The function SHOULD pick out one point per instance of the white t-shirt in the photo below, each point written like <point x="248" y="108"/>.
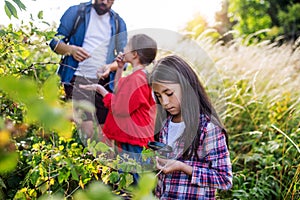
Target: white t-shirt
<point x="175" y="130"/>
<point x="95" y="42"/>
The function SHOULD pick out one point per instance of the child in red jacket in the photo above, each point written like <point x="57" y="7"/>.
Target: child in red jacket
<point x="131" y="118"/>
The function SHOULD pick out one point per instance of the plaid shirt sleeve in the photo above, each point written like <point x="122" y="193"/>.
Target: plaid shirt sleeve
<point x="218" y="173"/>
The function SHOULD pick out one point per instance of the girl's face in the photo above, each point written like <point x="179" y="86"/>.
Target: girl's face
<point x="169" y="96"/>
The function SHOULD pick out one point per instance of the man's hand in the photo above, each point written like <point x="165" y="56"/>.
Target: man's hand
<point x="79" y="53"/>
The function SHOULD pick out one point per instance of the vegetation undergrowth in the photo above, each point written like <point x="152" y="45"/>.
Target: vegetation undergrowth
<point x="40" y="155"/>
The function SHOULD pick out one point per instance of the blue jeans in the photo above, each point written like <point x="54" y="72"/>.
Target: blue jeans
<point x="134" y="152"/>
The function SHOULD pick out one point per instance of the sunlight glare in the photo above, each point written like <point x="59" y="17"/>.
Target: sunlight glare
<point x="167" y="14"/>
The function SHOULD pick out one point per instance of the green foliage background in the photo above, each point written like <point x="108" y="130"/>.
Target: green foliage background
<point x="39" y="157"/>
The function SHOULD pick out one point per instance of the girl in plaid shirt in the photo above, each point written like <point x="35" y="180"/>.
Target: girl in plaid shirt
<point x="187" y="121"/>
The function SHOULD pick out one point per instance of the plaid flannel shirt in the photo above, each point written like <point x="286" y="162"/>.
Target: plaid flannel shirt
<point x="211" y="171"/>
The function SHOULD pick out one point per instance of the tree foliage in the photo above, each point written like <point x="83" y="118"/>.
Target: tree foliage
<point x="290" y="19"/>
<point x="196" y="26"/>
<point x="279" y="17"/>
<point x="11" y="10"/>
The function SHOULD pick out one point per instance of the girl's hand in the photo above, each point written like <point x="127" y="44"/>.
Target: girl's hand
<point x="95" y="87"/>
<point x="91" y="87"/>
<point x="120" y="60"/>
<point x="103" y="73"/>
<point x="169" y="166"/>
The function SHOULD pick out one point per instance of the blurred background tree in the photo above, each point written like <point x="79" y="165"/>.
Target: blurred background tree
<point x="223" y="24"/>
<point x="280" y="17"/>
<point x="264" y="19"/>
<point x="290" y="21"/>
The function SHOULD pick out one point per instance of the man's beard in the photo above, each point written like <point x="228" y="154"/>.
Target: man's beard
<point x="101" y="8"/>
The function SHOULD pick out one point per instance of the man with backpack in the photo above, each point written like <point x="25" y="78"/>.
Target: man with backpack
<point x="89" y="37"/>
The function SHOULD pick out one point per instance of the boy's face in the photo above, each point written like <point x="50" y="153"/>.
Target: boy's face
<point x="128" y="53"/>
<point x="169" y="96"/>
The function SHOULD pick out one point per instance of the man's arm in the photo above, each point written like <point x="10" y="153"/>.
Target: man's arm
<point x="79" y="53"/>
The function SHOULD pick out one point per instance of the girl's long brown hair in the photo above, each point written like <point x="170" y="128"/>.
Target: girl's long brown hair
<point x="195" y="101"/>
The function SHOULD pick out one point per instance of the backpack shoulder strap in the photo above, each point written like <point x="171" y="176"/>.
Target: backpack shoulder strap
<point x="80" y="17"/>
<point x="117" y="23"/>
<point x="117" y="32"/>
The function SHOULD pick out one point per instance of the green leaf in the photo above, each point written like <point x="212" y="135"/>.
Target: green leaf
<point x="74" y="174"/>
<point x="147" y="153"/>
<point x="41" y="14"/>
<point x="2" y="184"/>
<point x="1" y="123"/>
<point x="44" y="187"/>
<point x="34" y="177"/>
<point x="2" y="32"/>
<point x="129" y="180"/>
<point x="147" y="183"/>
<point x="145" y="187"/>
<point x="102" y="147"/>
<point x="114" y="177"/>
<point x="51" y="196"/>
<point x="96" y="191"/>
<point x="50" y="90"/>
<point x="10" y="10"/>
<point x="20" y="4"/>
<point x="63" y="176"/>
<point x="8" y="161"/>
<point x="23" y="90"/>
<point x="126" y="180"/>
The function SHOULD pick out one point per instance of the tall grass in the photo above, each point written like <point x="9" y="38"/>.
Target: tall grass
<point x="262" y="116"/>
